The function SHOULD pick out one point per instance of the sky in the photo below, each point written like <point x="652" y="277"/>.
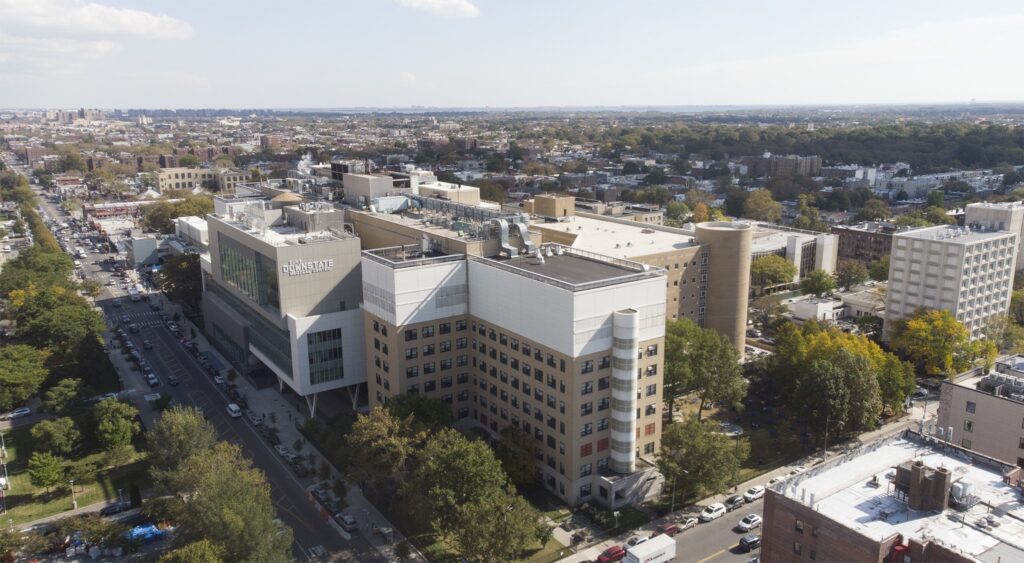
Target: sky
<point x="506" y="53"/>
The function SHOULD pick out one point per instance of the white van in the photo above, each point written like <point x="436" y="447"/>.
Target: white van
<point x="234" y="411"/>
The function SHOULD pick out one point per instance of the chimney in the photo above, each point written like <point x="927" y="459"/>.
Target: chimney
<point x="915" y="498"/>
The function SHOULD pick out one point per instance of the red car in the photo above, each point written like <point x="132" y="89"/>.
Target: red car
<point x="667" y="529"/>
<point x="613" y="553"/>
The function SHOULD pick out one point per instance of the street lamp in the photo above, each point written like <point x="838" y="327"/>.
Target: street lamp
<point x="74" y="501"/>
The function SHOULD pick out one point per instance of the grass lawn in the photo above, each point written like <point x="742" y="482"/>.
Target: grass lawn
<point x="548" y="553"/>
<point x="26" y="503"/>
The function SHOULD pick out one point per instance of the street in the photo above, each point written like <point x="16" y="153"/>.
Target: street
<point x="168" y="357"/>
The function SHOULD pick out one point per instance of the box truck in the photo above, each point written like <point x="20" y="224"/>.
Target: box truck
<point x="659" y="549"/>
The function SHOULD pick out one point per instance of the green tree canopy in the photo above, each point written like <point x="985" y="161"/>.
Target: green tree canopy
<point x="428" y="413"/>
<point x="703" y="362"/>
<point x="45" y="470"/>
<point x="58" y="436"/>
<point x="760" y="206"/>
<point x="771" y="270"/>
<point x="22" y="371"/>
<point x="180" y="433"/>
<point x="850" y="273"/>
<point x="115" y="423"/>
<point x="818" y="282"/>
<point x="879" y="269"/>
<point x="874" y="209"/>
<point x="935" y="341"/>
<point x="62" y="396"/>
<point x="515" y="451"/>
<point x="500" y="526"/>
<point x="697" y="459"/>
<point x="199" y="551"/>
<point x="181" y="279"/>
<point x="381" y="445"/>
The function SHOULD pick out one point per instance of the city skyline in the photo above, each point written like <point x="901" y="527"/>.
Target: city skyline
<point x="484" y="53"/>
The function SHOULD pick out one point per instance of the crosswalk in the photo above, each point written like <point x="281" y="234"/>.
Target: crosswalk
<point x="140" y="318"/>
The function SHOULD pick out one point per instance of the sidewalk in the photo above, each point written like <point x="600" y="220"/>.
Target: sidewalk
<point x="910" y="420"/>
<point x="281" y="413"/>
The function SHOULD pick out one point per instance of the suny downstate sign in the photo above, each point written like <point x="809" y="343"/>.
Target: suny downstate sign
<point x="303" y="267"/>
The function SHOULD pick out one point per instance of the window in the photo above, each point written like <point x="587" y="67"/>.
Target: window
<point x="650" y="409"/>
<point x="460" y="343"/>
<point x="413" y="371"/>
<point x="588" y="366"/>
<point x="514" y="344"/>
<point x="604" y="383"/>
<point x="602" y="424"/>
<point x="649" y="448"/>
<point x="446" y="381"/>
<point x="444" y="328"/>
<point x="526" y="349"/>
<point x="799" y="527"/>
<point x="411" y="353"/>
<point x="462" y="378"/>
<point x="503" y="339"/>
<point x="586" y="408"/>
<point x="551" y="360"/>
<point x="585" y="450"/>
<point x="1020" y="444"/>
<point x="376" y="344"/>
<point x="603" y="404"/>
<point x="585" y="490"/>
<point x="428" y="349"/>
<point x="965" y="443"/>
<point x="652" y="350"/>
<point x="445" y="346"/>
<point x="429" y="367"/>
<point x="650" y="429"/>
<point x="325" y="356"/>
<point x="462" y="360"/>
<point x="606" y="361"/>
<point x="427" y="331"/>
<point x="588" y="429"/>
<point x="460" y="325"/>
<point x="446" y="364"/>
<point x="796" y="547"/>
<point x="652" y="389"/>
<point x="968" y="426"/>
<point x="587" y="388"/>
<point x="602" y="445"/>
<point x="410" y="335"/>
<point x="586" y="468"/>
<point x="971" y="407"/>
<point x="429" y="386"/>
<point x="414" y="388"/>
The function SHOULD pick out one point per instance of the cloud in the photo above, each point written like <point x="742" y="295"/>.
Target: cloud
<point x="446" y="8"/>
<point x="407" y="77"/>
<point x="78" y="18"/>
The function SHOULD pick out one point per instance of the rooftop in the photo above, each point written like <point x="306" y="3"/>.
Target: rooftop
<point x="573" y="269"/>
<point x="840" y="490"/>
<point x="617" y="239"/>
<point x="885" y="227"/>
<point x="954" y="235"/>
<point x="281" y="235"/>
<point x="1006" y="381"/>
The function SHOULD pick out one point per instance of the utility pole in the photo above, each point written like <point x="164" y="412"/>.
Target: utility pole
<point x="6" y="481"/>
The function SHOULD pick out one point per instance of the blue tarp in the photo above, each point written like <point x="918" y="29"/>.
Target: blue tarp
<point x="146" y="534"/>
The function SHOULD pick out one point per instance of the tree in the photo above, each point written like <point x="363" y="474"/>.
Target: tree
<point x="381" y="445"/>
<point x="656" y="177"/>
<point x="934" y="340"/>
<point x="428" y="413"/>
<point x="22" y="371"/>
<point x="515" y="451"/>
<point x="62" y="395"/>
<point x="874" y="209"/>
<point x="676" y="213"/>
<point x="879" y="269"/>
<point x="45" y="470"/>
<point x="180" y="433"/>
<point x="701" y="213"/>
<point x="936" y="198"/>
<point x="840" y="392"/>
<point x="200" y="551"/>
<point x="181" y="279"/>
<point x="697" y="459"/>
<point x="452" y="471"/>
<point x="850" y="273"/>
<point x="760" y="206"/>
<point x="58" y="436"/>
<point x="189" y="161"/>
<point x="817" y="282"/>
<point x="766" y="312"/>
<point x="115" y="423"/>
<point x="701" y="361"/>
<point x="226" y="501"/>
<point x="500" y="526"/>
<point x="808" y="217"/>
<point x="771" y="270"/>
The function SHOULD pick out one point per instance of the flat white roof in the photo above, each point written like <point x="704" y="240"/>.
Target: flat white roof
<point x="954" y="235"/>
<point x="617" y="239"/>
<point x="840" y="491"/>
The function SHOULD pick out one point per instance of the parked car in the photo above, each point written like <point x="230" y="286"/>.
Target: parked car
<point x="776" y="480"/>
<point x="750" y="542"/>
<point x="667" y="529"/>
<point x="300" y="470"/>
<point x="234" y="411"/>
<point x="152" y="380"/>
<point x="753" y="493"/>
<point x="612" y="554"/>
<point x="112" y="509"/>
<point x="636" y="540"/>
<point x="125" y="319"/>
<point x="219" y="380"/>
<point x="147" y="344"/>
<point x="18" y="413"/>
<point x="172" y="380"/>
<point x="712" y="512"/>
<point x="687" y="523"/>
<point x="749" y="522"/>
<point x="346" y="521"/>
<point x="734" y="502"/>
<point x="282" y="450"/>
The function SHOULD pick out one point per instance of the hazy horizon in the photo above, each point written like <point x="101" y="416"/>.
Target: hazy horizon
<point x="488" y="54"/>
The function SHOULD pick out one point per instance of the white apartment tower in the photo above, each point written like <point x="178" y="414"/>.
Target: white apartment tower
<point x="1007" y="216"/>
<point x="966" y="271"/>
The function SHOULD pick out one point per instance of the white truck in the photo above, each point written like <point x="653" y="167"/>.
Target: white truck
<point x="659" y="549"/>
